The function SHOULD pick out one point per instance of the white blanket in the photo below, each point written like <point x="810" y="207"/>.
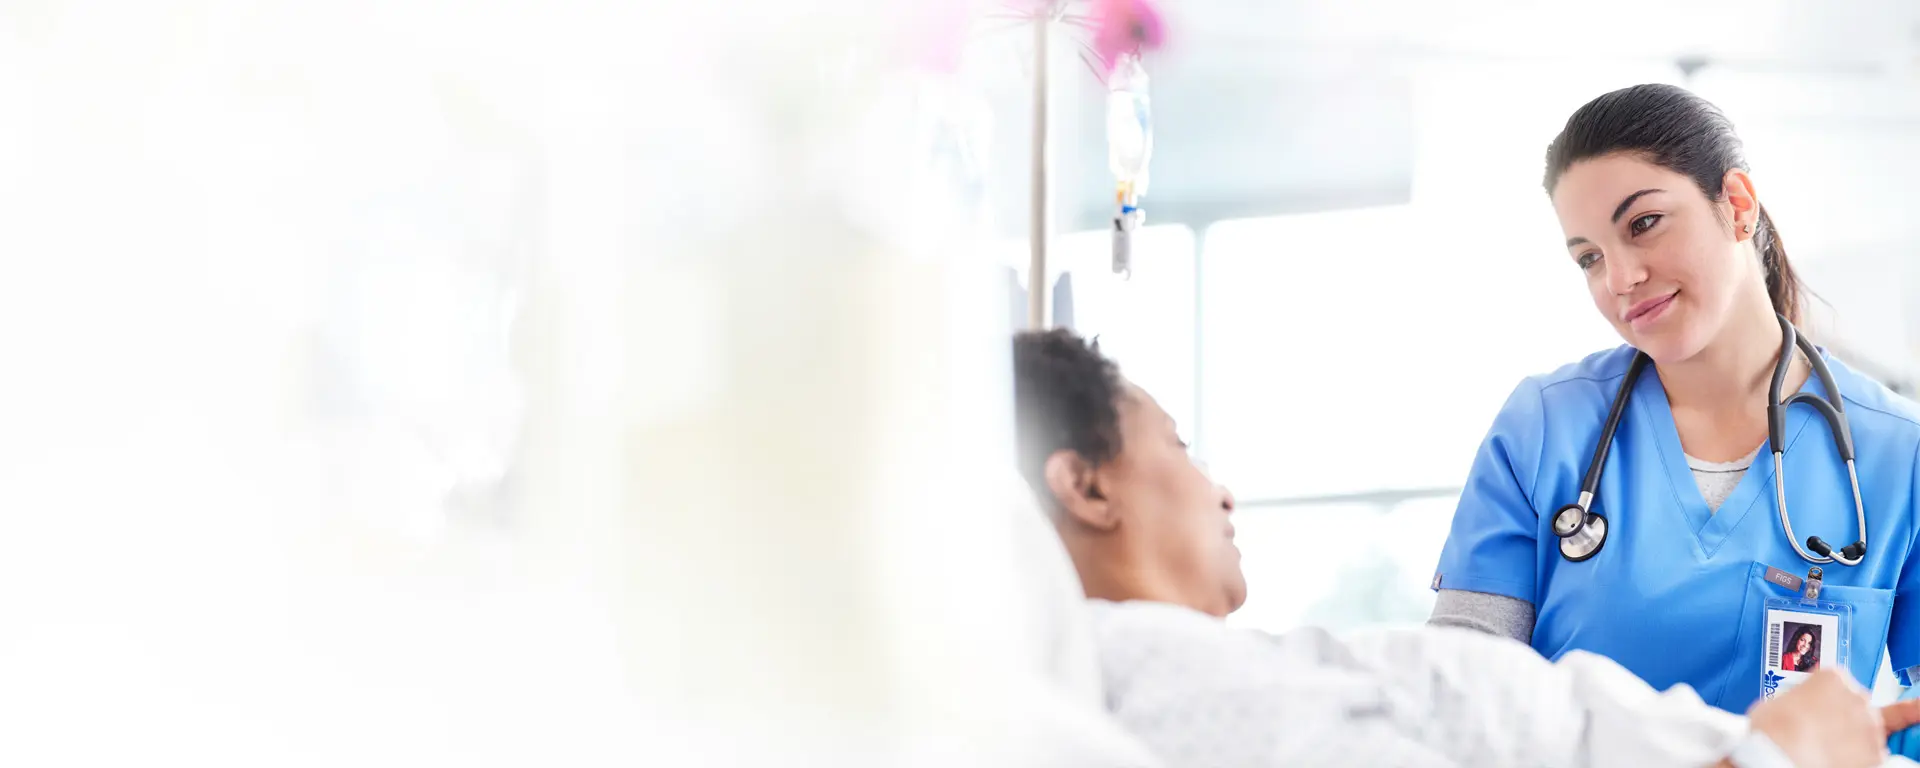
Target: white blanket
<point x="1202" y="693"/>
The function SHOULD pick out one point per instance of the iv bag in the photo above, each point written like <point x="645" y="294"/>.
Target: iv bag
<point x="1129" y="123"/>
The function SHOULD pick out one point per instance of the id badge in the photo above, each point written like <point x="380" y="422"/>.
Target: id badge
<point x="1803" y="633"/>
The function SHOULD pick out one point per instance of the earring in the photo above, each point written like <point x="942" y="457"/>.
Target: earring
<point x="1748" y="228"/>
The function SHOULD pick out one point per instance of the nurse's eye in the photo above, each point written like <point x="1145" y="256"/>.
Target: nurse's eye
<point x="1644" y="223"/>
<point x="1588" y="260"/>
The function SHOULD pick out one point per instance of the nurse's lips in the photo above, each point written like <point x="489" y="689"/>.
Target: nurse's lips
<point x="1646" y="308"/>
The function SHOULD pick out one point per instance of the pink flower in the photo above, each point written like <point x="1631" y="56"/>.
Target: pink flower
<point x="1124" y="26"/>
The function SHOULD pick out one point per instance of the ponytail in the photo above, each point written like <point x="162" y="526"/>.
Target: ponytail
<point x="1783" y="286"/>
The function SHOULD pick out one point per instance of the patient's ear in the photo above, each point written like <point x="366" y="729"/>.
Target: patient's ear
<point x="1076" y="489"/>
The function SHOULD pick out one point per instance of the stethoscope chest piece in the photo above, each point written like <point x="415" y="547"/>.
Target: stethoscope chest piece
<point x="1581" y="533"/>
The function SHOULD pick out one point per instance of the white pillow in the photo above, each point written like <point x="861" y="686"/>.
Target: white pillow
<point x="1069" y="719"/>
<point x="1056" y="605"/>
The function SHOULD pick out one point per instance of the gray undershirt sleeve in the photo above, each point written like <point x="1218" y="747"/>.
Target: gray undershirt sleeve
<point x="1492" y="614"/>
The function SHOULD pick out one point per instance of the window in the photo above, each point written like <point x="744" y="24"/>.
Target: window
<point x="1369" y="349"/>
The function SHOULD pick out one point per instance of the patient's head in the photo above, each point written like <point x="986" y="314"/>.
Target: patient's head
<point x="1141" y="520"/>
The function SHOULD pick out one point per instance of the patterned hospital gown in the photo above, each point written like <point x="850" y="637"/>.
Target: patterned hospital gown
<point x="1199" y="692"/>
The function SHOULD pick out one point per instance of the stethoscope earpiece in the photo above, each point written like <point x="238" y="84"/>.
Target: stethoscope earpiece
<point x="1848" y="555"/>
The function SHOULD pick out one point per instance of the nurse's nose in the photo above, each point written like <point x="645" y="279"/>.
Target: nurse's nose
<point x="1226" y="499"/>
<point x="1625" y="272"/>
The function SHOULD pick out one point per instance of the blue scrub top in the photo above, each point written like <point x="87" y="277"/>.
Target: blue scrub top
<point x="1677" y="594"/>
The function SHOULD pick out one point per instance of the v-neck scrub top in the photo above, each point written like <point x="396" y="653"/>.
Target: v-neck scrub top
<point x="1678" y="592"/>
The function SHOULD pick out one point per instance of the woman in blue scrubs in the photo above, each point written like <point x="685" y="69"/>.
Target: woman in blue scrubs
<point x="1666" y="228"/>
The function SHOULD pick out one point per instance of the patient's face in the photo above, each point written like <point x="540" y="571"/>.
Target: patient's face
<point x="1175" y="516"/>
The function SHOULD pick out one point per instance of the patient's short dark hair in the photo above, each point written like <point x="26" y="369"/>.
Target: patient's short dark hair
<point x="1064" y="398"/>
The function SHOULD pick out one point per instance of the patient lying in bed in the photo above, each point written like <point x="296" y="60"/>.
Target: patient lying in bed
<point x="1152" y="539"/>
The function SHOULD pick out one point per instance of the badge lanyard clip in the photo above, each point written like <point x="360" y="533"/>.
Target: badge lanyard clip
<point x="1813" y="583"/>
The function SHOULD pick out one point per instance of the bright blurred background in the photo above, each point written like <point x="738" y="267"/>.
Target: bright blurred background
<point x="436" y="375"/>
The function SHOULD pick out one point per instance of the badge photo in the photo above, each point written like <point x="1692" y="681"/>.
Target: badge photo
<point x="1799" y="641"/>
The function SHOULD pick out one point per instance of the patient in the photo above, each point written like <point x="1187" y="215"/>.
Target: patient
<point x="1152" y="539"/>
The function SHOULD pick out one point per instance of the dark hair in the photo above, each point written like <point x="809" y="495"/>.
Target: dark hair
<point x="1671" y="127"/>
<point x="1793" y="646"/>
<point x="1065" y="396"/>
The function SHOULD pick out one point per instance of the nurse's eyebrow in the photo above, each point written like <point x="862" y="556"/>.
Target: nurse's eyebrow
<point x="1628" y="203"/>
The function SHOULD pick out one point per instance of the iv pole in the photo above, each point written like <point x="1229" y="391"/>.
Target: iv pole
<point x="1118" y="26"/>
<point x="1040" y="213"/>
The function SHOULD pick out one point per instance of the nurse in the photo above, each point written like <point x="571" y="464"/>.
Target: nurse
<point x="1668" y="231"/>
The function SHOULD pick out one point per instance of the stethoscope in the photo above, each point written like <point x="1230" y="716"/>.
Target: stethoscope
<point x="1583" y="532"/>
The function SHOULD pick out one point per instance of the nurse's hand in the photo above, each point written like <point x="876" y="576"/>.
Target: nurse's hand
<point x="1826" y="720"/>
<point x="1901" y="717"/>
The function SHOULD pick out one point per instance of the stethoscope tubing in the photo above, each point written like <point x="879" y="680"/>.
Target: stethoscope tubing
<point x="1575" y="524"/>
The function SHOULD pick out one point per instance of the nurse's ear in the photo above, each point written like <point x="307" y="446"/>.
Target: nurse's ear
<point x="1076" y="490"/>
<point x="1742" y="203"/>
